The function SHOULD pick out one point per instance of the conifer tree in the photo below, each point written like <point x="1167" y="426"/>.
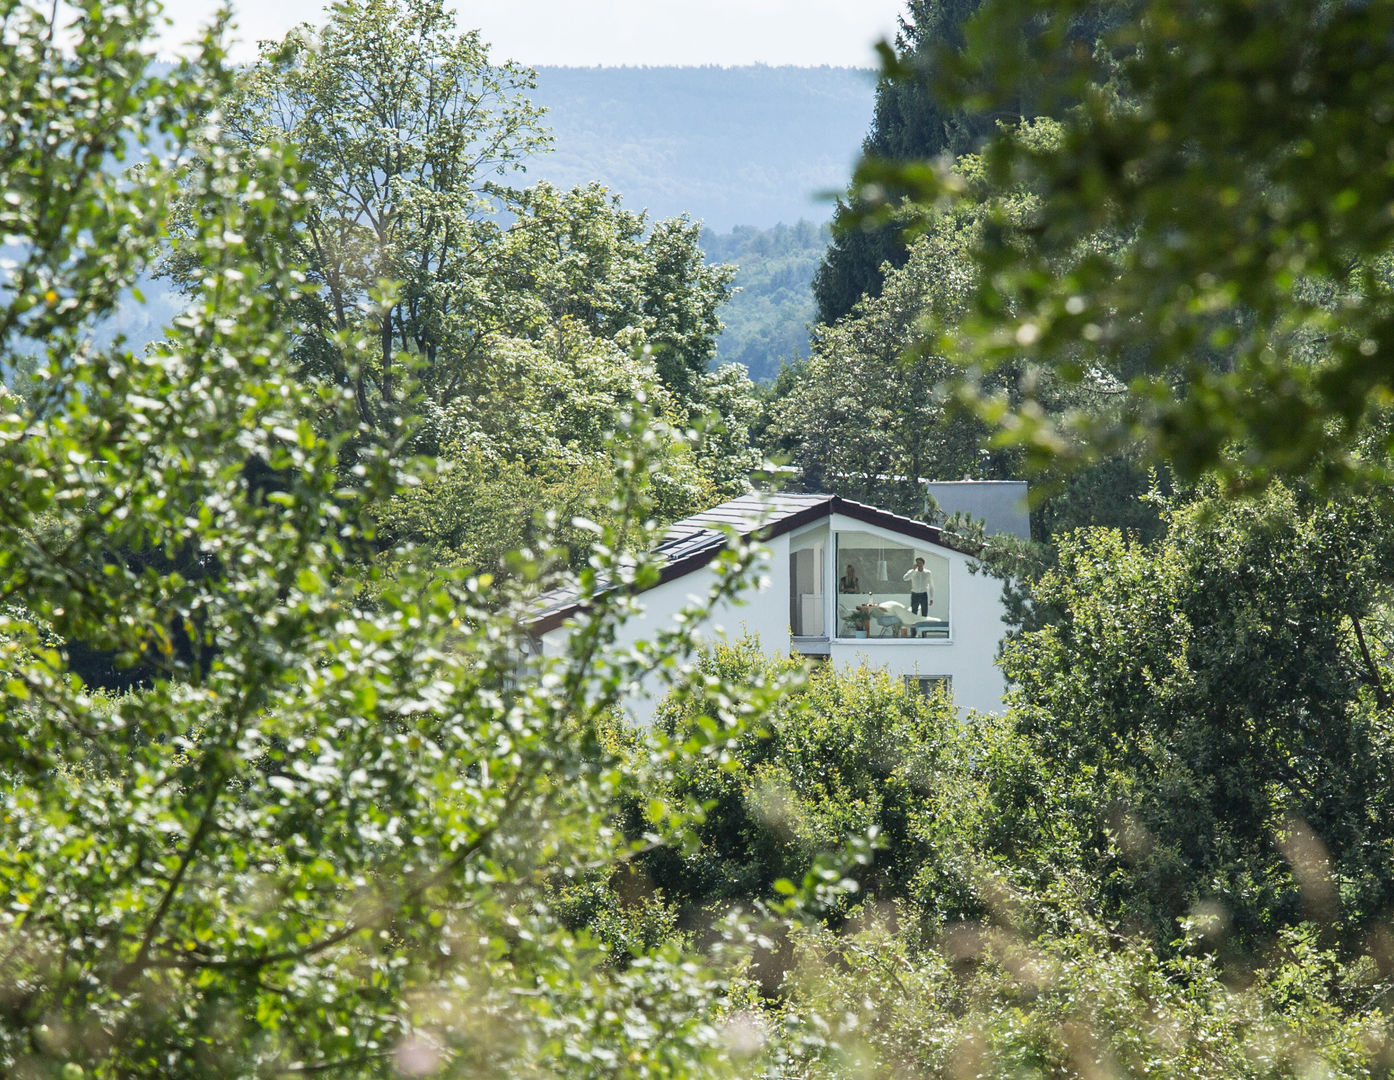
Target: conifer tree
<point x="910" y="122"/>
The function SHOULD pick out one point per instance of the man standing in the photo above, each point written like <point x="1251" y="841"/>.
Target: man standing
<point x="921" y="588"/>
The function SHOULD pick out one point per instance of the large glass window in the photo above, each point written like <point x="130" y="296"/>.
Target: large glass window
<point x="888" y="589"/>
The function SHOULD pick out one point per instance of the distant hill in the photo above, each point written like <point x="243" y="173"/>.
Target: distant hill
<point x="729" y="145"/>
<point x="746" y="150"/>
<point x="749" y="151"/>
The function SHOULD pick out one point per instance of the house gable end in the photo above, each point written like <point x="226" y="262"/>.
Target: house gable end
<point x="694" y="542"/>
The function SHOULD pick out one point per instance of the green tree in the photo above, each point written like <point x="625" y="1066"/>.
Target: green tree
<point x="874" y="411"/>
<point x="911" y="122"/>
<point x="533" y="441"/>
<point x="411" y="135"/>
<point x="581" y="340"/>
<point x="1214" y="694"/>
<point x="511" y="345"/>
<point x="1245" y="167"/>
<point x="866" y="422"/>
<point x="580" y="255"/>
<point x="684" y="334"/>
<point x="835" y="760"/>
<point x="408" y="132"/>
<point x="323" y="847"/>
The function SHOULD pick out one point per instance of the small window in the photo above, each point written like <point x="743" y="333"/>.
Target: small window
<point x="929" y="685"/>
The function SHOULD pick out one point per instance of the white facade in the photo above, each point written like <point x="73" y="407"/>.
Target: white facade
<point x="958" y="642"/>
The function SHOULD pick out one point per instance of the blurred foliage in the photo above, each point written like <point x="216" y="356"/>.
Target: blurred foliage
<point x="918" y="118"/>
<point x="339" y="826"/>
<point x="986" y="1001"/>
<point x="1208" y="232"/>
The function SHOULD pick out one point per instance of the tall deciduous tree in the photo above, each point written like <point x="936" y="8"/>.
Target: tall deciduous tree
<point x="514" y="320"/>
<point x="410" y="133"/>
<point x="324" y="848"/>
<point x="580" y="255"/>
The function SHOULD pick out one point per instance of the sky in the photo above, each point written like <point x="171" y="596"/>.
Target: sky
<point x="586" y="33"/>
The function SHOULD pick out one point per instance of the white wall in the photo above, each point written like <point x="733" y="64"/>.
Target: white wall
<point x="763" y="613"/>
<point x="975" y="615"/>
<point x="966" y="657"/>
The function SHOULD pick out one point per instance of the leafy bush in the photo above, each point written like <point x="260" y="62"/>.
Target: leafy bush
<point x="1208" y="703"/>
<point x="985" y="1001"/>
<point x="838" y="760"/>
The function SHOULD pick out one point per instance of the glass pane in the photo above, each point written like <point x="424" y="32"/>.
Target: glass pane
<point x="889" y="589"/>
<point x="806" y="592"/>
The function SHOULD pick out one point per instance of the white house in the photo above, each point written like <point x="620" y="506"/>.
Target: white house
<point x="810" y="605"/>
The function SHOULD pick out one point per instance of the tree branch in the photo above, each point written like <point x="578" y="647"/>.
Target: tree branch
<point x="1372" y="669"/>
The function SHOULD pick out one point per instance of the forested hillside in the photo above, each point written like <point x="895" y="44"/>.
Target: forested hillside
<point x="767" y="319"/>
<point x="728" y="145"/>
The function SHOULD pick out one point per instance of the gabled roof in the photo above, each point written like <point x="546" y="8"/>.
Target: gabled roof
<point x="695" y="541"/>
